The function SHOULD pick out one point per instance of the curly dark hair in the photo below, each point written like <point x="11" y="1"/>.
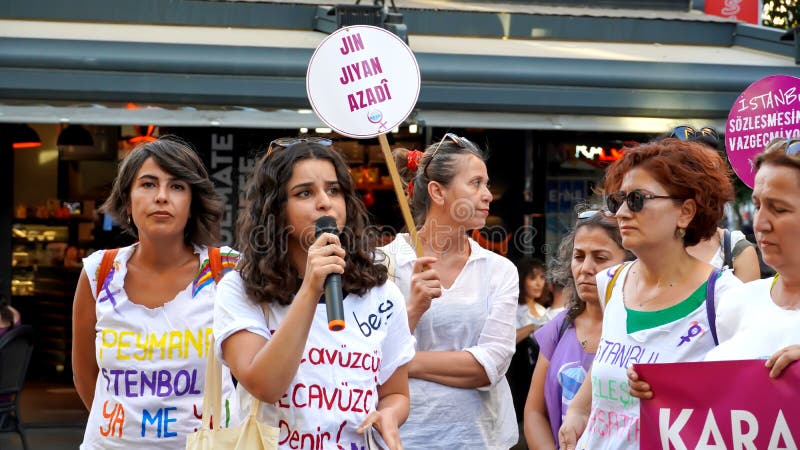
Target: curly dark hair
<point x="687" y="170"/>
<point x="561" y="267"/>
<point x="176" y="157"/>
<point x="263" y="235"/>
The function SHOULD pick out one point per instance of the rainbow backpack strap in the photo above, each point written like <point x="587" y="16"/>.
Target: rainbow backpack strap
<point x="105" y="268"/>
<point x="613" y="280"/>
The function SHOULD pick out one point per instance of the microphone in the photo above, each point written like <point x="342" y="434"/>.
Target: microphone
<point x="333" y="282"/>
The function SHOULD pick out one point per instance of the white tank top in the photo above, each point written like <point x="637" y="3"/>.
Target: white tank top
<point x="152" y="361"/>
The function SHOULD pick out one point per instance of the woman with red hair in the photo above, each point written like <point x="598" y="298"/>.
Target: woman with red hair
<point x="666" y="195"/>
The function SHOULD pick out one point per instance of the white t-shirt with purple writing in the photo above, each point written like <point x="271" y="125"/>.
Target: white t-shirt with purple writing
<point x="336" y="384"/>
<point x="149" y="391"/>
<point x="614" y="419"/>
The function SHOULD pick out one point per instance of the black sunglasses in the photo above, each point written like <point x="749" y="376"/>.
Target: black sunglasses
<point x="286" y="142"/>
<point x="635" y="200"/>
<point x="459" y="141"/>
<point x="789" y="147"/>
<point x="687" y="133"/>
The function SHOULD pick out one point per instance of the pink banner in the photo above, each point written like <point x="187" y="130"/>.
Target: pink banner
<point x="720" y="405"/>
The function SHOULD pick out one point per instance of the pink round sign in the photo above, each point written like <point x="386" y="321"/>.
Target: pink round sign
<point x="767" y="109"/>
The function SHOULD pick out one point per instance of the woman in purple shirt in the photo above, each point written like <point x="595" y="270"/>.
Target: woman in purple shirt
<point x="568" y="342"/>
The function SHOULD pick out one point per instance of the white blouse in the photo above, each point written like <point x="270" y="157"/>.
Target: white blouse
<point x="476" y="314"/>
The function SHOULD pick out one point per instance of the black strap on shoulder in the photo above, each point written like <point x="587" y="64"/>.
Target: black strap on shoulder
<point x="710" y="307"/>
<point x="726" y="249"/>
<point x="739" y="247"/>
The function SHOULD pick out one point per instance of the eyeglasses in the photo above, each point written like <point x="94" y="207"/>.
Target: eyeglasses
<point x="789" y="147"/>
<point x="635" y="200"/>
<point x="687" y="133"/>
<point x="459" y="141"/>
<point x="286" y="142"/>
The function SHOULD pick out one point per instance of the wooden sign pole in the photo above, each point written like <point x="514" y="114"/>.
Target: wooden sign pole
<point x="401" y="195"/>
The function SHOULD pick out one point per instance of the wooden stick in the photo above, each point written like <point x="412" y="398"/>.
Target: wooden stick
<point x="401" y="195"/>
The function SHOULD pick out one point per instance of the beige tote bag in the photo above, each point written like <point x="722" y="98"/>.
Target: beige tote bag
<point x="250" y="435"/>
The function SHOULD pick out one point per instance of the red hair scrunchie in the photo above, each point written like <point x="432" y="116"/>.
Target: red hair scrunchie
<point x="410" y="188"/>
<point x="412" y="160"/>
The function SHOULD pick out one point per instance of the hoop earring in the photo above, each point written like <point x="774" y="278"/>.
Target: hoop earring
<point x="680" y="233"/>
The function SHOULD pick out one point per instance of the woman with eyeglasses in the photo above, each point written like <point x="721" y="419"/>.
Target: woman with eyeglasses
<point x="761" y="320"/>
<point x="568" y="342"/>
<point x="321" y="388"/>
<point x="725" y="248"/>
<point x="666" y="195"/>
<point x="462" y="301"/>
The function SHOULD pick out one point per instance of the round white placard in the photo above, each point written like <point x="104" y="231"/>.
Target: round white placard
<point x="362" y="81"/>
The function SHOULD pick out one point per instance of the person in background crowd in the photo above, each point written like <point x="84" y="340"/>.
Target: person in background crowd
<point x="760" y="320"/>
<point x="9" y="316"/>
<point x="535" y="298"/>
<point x="270" y="317"/>
<point x="141" y="321"/>
<point x="739" y="255"/>
<point x="666" y="195"/>
<point x="556" y="286"/>
<point x="532" y="312"/>
<point x="461" y="301"/>
<point x="569" y="341"/>
<point x="725" y="248"/>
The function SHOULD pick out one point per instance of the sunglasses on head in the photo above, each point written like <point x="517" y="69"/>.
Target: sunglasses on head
<point x="634" y="199"/>
<point x="687" y="133"/>
<point x="287" y="142"/>
<point x="789" y="147"/>
<point x="588" y="214"/>
<point x="459" y="141"/>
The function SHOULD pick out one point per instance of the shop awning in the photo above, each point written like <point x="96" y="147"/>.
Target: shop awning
<point x="50" y="69"/>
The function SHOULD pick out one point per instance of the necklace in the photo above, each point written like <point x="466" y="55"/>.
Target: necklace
<point x="649" y="300"/>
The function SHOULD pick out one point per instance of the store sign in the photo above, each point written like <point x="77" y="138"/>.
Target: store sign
<point x="767" y="109"/>
<point x="363" y="81"/>
<point x="598" y="153"/>
<point x="742" y="10"/>
<point x="229" y="154"/>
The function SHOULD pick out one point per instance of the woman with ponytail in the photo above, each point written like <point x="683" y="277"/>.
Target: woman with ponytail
<point x="461" y="301"/>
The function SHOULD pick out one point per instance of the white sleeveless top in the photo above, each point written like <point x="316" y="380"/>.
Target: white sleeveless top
<point x="149" y="391"/>
<point x="614" y="419"/>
